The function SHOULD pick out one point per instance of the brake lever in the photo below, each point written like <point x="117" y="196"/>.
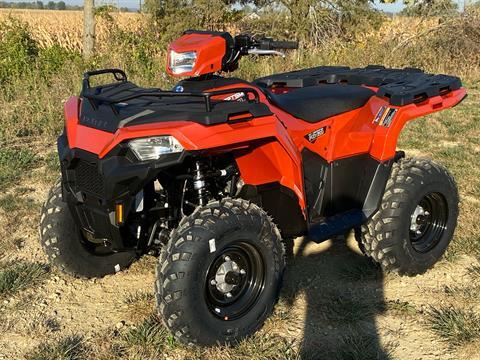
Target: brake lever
<point x="256" y="51"/>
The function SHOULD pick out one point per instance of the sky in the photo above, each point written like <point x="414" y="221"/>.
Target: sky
<point x="133" y="4"/>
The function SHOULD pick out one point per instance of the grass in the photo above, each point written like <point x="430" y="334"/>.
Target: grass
<point x="360" y="347"/>
<point x="363" y="271"/>
<point x="13" y="162"/>
<point x="139" y="296"/>
<point x="11" y="203"/>
<point x="455" y="325"/>
<point x="468" y="293"/>
<point x="147" y="338"/>
<point x="17" y="276"/>
<point x="401" y="307"/>
<point x="68" y="348"/>
<point x="474" y="270"/>
<point x="344" y="308"/>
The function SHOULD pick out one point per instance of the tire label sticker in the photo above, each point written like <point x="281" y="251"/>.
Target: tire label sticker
<point x="314" y="135"/>
<point x="211" y="244"/>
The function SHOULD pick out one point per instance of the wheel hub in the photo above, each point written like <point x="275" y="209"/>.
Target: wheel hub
<point x="428" y="222"/>
<point x="418" y="219"/>
<point x="228" y="276"/>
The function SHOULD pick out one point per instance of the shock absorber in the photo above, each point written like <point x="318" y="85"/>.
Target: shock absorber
<point x="199" y="184"/>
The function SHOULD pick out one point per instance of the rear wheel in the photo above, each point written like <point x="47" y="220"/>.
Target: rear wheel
<point x="219" y="275"/>
<point x="416" y="220"/>
<point x="68" y="249"/>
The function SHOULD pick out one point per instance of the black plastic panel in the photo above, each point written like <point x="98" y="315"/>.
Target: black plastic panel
<point x="400" y="86"/>
<point x="111" y="113"/>
<point x="281" y="203"/>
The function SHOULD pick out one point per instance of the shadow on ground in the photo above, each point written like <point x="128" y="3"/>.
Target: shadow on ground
<point x="343" y="293"/>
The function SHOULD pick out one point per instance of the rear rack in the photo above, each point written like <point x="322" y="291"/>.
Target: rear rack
<point x="399" y="86"/>
<point x="121" y="77"/>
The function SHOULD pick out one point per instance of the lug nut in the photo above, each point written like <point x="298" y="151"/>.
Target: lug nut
<point x="418" y="232"/>
<point x="229" y="295"/>
<point x="426" y="213"/>
<point x="217" y="310"/>
<point x="226" y="258"/>
<point x="213" y="282"/>
<point x="243" y="272"/>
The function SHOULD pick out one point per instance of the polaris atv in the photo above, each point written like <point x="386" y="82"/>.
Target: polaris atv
<point x="215" y="173"/>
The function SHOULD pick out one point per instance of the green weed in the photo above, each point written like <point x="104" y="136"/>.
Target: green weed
<point x="401" y="307"/>
<point x="456" y="326"/>
<point x="10" y="203"/>
<point x="360" y="347"/>
<point x="13" y="162"/>
<point x="139" y="296"/>
<point x="19" y="275"/>
<point x="68" y="348"/>
<point x="149" y="337"/>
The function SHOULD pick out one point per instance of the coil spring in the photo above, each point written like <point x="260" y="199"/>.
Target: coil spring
<point x="199" y="184"/>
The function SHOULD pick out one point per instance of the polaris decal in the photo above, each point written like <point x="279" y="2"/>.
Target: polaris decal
<point x="239" y="96"/>
<point x="379" y="115"/>
<point x="387" y="119"/>
<point x="385" y="116"/>
<point x="314" y="135"/>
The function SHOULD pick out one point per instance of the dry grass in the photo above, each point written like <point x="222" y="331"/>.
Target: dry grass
<point x="66" y="27"/>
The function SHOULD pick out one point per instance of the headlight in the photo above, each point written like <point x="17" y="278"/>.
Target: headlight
<point x="152" y="148"/>
<point x="182" y="62"/>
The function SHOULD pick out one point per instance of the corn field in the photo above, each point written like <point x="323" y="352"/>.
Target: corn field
<point x="65" y="27"/>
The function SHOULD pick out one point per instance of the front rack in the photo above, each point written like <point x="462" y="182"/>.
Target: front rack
<point x="121" y="77"/>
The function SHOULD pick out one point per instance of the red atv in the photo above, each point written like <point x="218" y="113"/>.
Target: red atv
<point x="215" y="173"/>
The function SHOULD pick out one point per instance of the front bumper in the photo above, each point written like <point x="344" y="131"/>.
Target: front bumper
<point x="92" y="187"/>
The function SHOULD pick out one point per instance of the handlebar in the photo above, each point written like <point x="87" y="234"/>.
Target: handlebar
<point x="244" y="44"/>
<point x="270" y="44"/>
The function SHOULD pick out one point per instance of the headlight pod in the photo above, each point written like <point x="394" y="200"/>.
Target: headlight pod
<point x="182" y="62"/>
<point x="152" y="148"/>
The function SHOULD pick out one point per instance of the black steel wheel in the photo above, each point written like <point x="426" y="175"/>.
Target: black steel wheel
<point x="219" y="276"/>
<point x="235" y="280"/>
<point x="428" y="222"/>
<point x="416" y="220"/>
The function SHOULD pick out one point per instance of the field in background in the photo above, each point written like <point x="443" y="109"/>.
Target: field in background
<point x="335" y="304"/>
<point x="65" y="27"/>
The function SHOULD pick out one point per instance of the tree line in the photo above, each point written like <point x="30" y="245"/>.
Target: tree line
<point x="51" y="5"/>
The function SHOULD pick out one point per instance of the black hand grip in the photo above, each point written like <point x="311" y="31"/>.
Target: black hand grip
<point x="284" y="44"/>
<point x="270" y="44"/>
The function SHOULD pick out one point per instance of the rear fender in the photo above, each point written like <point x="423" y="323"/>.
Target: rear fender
<point x="388" y="128"/>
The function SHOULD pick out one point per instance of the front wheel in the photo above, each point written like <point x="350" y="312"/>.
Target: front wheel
<point x="68" y="249"/>
<point x="416" y="220"/>
<point x="219" y="275"/>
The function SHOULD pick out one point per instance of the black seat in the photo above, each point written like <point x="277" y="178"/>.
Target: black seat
<point x="315" y="103"/>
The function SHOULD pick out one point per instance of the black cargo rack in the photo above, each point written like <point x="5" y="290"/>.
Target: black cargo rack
<point x="399" y="86"/>
<point x="120" y="76"/>
<point x="122" y="103"/>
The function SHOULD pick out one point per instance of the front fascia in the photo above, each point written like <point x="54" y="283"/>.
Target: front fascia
<point x="249" y="140"/>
